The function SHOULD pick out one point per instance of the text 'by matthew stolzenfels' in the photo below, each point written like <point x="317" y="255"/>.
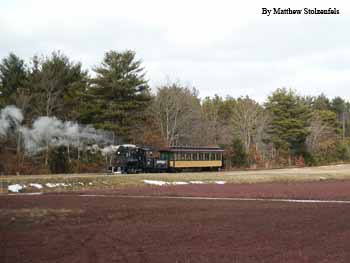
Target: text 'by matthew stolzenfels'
<point x="303" y="11"/>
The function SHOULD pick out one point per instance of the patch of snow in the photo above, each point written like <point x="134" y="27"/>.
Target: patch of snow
<point x="38" y="186"/>
<point x="179" y="183"/>
<point x="155" y="182"/>
<point x="52" y="185"/>
<point x="15" y="188"/>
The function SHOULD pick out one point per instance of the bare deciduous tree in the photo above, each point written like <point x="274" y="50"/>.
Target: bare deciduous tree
<point x="245" y="118"/>
<point x="322" y="127"/>
<point x="177" y="110"/>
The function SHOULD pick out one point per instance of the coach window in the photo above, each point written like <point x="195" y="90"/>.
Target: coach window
<point x="194" y="156"/>
<point x="206" y="156"/>
<point x="200" y="156"/>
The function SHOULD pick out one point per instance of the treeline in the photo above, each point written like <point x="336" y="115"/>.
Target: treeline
<point x="286" y="130"/>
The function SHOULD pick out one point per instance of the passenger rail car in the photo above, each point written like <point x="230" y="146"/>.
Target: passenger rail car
<point x="192" y="158"/>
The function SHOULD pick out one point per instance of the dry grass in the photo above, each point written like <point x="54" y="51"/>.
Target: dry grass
<point x="83" y="181"/>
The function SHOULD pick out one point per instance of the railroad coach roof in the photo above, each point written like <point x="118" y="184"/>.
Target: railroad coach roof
<point x="190" y="149"/>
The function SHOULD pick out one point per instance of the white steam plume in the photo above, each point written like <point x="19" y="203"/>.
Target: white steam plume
<point x="51" y="132"/>
<point x="10" y="116"/>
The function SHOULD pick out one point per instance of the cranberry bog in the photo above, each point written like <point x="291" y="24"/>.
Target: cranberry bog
<point x="173" y="220"/>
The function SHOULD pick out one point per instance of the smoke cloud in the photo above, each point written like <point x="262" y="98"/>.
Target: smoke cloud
<point x="10" y="117"/>
<point x="51" y="132"/>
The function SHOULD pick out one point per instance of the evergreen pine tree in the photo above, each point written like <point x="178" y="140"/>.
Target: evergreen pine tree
<point x="119" y="94"/>
<point x="289" y="124"/>
<point x="13" y="77"/>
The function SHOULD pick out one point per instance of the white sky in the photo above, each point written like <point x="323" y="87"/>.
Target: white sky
<point x="220" y="47"/>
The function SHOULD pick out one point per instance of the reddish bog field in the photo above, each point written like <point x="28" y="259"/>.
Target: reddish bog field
<point x="115" y="227"/>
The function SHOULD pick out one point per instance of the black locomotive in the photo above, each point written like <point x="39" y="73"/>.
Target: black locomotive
<point x="132" y="159"/>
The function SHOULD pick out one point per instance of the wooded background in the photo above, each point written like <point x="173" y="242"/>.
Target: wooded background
<point x="286" y="130"/>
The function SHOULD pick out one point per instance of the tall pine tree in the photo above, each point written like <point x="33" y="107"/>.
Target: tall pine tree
<point x="119" y="94"/>
<point x="13" y="77"/>
<point x="290" y="116"/>
<point x="56" y="84"/>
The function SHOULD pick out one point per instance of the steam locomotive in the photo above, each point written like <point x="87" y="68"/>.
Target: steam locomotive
<point x="130" y="158"/>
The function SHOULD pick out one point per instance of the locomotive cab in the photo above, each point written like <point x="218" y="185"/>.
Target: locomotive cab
<point x="130" y="159"/>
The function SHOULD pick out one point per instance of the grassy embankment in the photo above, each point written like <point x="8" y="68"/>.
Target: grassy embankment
<point x="98" y="181"/>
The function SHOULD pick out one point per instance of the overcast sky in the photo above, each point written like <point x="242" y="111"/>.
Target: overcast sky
<point x="220" y="47"/>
